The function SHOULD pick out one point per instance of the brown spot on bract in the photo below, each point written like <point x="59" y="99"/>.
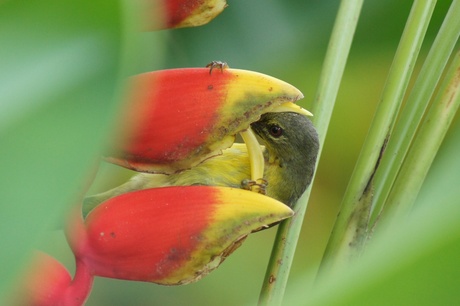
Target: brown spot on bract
<point x="210" y="87"/>
<point x="270" y="89"/>
<point x="113" y="235"/>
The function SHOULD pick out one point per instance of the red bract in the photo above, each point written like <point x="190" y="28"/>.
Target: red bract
<point x="176" y="118"/>
<point x="181" y="13"/>
<point x="171" y="235"/>
<point x="49" y="283"/>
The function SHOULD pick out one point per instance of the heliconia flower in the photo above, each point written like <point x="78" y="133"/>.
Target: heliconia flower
<point x="49" y="283"/>
<point x="171" y="235"/>
<point x="176" y="118"/>
<point x="181" y="13"/>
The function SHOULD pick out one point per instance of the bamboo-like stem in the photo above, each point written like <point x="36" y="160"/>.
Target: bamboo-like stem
<point x="416" y="105"/>
<point x="350" y="228"/>
<point x="425" y="146"/>
<point x="288" y="232"/>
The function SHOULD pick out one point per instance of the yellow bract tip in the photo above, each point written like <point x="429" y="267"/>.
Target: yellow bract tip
<point x="291" y="107"/>
<point x="238" y="204"/>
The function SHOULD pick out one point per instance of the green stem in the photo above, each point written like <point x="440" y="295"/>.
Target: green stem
<point x="349" y="230"/>
<point x="415" y="107"/>
<point x="288" y="232"/>
<point x="425" y="145"/>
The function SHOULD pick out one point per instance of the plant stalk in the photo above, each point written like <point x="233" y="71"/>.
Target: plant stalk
<point x="415" y="107"/>
<point x="349" y="232"/>
<point x="425" y="146"/>
<point x="282" y="255"/>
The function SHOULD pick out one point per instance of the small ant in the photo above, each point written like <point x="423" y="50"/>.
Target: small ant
<point x="217" y="64"/>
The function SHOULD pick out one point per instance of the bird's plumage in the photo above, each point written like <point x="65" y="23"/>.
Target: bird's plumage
<point x="291" y="147"/>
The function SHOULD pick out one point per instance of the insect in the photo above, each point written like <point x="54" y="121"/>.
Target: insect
<point x="217" y="64"/>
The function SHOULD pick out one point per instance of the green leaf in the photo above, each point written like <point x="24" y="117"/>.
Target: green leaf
<point x="58" y="82"/>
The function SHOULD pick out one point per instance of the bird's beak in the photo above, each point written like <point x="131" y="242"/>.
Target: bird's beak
<point x="174" y="119"/>
<point x="171" y="235"/>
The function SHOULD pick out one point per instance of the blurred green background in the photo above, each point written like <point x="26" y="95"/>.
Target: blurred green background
<point x="285" y="39"/>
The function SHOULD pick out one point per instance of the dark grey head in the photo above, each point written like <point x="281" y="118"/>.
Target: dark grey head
<point x="292" y="146"/>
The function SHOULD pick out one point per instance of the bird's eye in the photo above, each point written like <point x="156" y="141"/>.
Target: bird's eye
<point x="276" y="131"/>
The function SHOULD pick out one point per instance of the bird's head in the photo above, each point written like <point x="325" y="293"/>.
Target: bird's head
<point x="287" y="135"/>
<point x="292" y="144"/>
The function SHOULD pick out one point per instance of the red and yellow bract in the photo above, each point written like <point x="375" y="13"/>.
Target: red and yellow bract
<point x="180" y="13"/>
<point x="172" y="235"/>
<point x="173" y="119"/>
<point x="48" y="282"/>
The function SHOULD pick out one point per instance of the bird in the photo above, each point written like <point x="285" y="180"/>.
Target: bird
<point x="290" y="147"/>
